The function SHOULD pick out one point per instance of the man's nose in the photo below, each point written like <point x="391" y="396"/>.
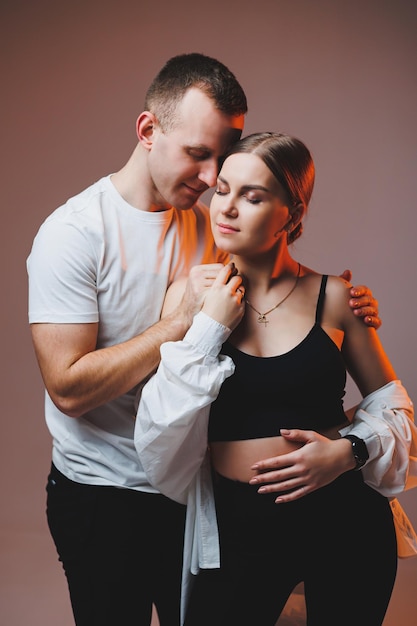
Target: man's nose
<point x="209" y="171"/>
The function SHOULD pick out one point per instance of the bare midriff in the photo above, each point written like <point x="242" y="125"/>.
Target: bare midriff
<point x="234" y="459"/>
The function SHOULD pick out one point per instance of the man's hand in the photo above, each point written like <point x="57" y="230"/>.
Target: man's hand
<point x="188" y="293"/>
<point x="317" y="463"/>
<point x="363" y="302"/>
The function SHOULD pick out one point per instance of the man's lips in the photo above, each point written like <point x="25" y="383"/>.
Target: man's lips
<point x="194" y="191"/>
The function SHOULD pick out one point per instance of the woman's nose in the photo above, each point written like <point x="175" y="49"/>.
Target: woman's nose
<point x="228" y="205"/>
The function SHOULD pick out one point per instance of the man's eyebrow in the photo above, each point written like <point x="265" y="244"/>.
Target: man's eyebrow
<point x="200" y="147"/>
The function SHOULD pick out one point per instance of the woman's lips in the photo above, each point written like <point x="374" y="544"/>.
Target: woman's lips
<point x="226" y="229"/>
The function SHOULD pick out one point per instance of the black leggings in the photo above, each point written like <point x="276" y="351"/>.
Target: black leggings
<point x="340" y="541"/>
<point x="121" y="551"/>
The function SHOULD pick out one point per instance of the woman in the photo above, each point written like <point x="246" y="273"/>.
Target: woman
<point x="287" y="335"/>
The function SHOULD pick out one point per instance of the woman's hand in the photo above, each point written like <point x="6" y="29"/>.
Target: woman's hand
<point x="224" y="301"/>
<point x="317" y="463"/>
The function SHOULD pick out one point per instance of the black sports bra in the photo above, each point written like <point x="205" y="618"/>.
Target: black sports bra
<point x="303" y="388"/>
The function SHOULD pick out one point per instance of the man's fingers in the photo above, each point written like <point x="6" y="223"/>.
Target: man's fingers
<point x="366" y="310"/>
<point x="223" y="275"/>
<point x="370" y="319"/>
<point x="346" y="275"/>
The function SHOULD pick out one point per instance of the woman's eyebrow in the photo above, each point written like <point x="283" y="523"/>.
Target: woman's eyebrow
<point x="246" y="187"/>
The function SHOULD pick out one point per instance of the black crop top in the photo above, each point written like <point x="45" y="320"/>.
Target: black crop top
<point x="303" y="388"/>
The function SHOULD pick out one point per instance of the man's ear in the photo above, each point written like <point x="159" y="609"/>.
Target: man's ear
<point x="145" y="128"/>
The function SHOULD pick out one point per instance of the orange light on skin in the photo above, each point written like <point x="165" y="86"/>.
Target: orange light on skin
<point x="238" y="121"/>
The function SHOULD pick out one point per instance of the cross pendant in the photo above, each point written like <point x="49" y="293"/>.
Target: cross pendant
<point x="262" y="320"/>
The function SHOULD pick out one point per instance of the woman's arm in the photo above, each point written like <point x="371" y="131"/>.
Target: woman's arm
<point x="385" y="424"/>
<point x="385" y="417"/>
<point x="172" y="418"/>
<point x="385" y="421"/>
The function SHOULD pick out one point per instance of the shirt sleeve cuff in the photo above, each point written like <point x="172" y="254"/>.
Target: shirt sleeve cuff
<point x="370" y="437"/>
<point x="206" y="334"/>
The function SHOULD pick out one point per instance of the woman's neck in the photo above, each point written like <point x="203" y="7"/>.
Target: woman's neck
<point x="261" y="276"/>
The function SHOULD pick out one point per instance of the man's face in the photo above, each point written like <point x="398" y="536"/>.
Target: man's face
<point x="184" y="162"/>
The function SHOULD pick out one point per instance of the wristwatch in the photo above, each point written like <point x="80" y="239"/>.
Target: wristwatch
<point x="359" y="450"/>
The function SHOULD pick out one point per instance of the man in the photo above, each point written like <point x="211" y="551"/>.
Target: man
<point x="98" y="272"/>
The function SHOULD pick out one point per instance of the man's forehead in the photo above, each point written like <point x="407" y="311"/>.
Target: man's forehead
<point x="197" y="105"/>
<point x="212" y="142"/>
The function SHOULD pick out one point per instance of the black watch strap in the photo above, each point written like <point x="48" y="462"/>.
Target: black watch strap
<point x="359" y="450"/>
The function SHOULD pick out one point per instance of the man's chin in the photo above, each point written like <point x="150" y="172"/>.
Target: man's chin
<point x="188" y="199"/>
<point x="185" y="206"/>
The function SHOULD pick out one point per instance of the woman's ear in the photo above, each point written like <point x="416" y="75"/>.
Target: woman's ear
<point x="297" y="215"/>
<point x="145" y="128"/>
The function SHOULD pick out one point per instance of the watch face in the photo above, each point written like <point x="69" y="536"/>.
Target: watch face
<point x="359" y="462"/>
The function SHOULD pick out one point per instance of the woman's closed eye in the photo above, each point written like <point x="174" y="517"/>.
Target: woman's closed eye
<point x="220" y="192"/>
<point x="252" y="199"/>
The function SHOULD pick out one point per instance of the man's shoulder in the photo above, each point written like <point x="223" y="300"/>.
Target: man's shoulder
<point x="91" y="195"/>
<point x="87" y="201"/>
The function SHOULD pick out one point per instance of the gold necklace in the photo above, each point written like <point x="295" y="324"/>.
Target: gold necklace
<point x="262" y="316"/>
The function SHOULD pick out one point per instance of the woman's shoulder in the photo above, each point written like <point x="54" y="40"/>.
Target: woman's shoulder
<point x="337" y="292"/>
<point x="338" y="288"/>
<point x="337" y="306"/>
<point x="174" y="295"/>
<point x="178" y="285"/>
<point x="336" y="285"/>
<point x="313" y="279"/>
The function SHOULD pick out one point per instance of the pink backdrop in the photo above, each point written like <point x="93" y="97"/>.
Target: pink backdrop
<point x="341" y="75"/>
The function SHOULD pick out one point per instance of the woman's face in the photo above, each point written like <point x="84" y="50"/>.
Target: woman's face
<point x="248" y="210"/>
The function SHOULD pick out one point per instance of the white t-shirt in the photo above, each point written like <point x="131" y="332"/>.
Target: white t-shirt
<point x="98" y="259"/>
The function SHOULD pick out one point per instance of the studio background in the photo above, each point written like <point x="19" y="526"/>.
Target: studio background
<point x="339" y="74"/>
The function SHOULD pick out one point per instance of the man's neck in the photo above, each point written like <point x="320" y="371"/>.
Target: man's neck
<point x="133" y="183"/>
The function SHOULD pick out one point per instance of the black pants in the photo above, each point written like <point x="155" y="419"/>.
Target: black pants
<point x="340" y="541"/>
<point x="121" y="551"/>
